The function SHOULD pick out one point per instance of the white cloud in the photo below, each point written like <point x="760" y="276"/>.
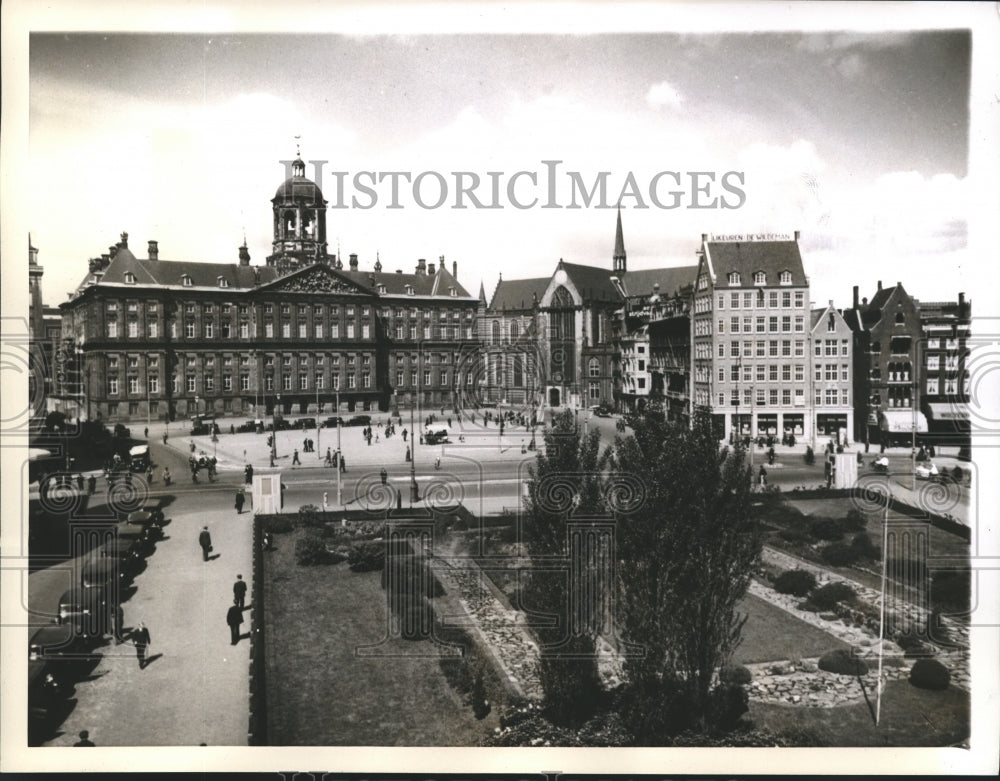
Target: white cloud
<point x="664" y="94"/>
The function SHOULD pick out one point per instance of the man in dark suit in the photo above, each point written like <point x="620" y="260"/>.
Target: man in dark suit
<point x="234" y="618"/>
<point x="205" y="540"/>
<point x="141" y="641"/>
<point x="240" y="591"/>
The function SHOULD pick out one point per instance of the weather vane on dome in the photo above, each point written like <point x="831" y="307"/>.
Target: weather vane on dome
<point x="297" y="152"/>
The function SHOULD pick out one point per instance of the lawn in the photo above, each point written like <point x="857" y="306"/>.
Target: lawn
<point x="909" y="717"/>
<point x="322" y="691"/>
<point x="772" y="634"/>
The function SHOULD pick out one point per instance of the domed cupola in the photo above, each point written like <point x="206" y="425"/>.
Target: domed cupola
<point x="299" y="221"/>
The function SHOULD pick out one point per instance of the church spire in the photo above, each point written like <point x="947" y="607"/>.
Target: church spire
<point x="618" y="259"/>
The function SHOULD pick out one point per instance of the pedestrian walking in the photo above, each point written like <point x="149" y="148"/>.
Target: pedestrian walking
<point x="405" y="433"/>
<point x="295" y="458"/>
<point x="329" y="458"/>
<point x="234" y="617"/>
<point x="240" y="591"/>
<point x="91" y="485"/>
<point x="248" y="474"/>
<point x="79" y="481"/>
<point x="267" y="540"/>
<point x="141" y="641"/>
<point x="343" y="463"/>
<point x="763" y="476"/>
<point x="84" y="741"/>
<point x="324" y="501"/>
<point x="383" y="474"/>
<point x="205" y="540"/>
<point x="240" y="498"/>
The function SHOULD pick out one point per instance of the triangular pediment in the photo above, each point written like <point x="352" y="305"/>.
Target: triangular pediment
<point x="317" y="278"/>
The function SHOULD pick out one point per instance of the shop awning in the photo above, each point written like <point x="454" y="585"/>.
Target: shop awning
<point x="900" y="421"/>
<point x="946" y="411"/>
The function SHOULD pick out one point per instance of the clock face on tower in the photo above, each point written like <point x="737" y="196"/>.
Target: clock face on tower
<point x="557" y="377"/>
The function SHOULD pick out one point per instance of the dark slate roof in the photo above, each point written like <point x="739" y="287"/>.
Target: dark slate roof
<point x="873" y="312"/>
<point x="815" y="316"/>
<point x="170" y="272"/>
<point x="671" y="280"/>
<point x="515" y="294"/>
<point x="593" y="283"/>
<point x="853" y="319"/>
<point x="436" y="284"/>
<point x="748" y="257"/>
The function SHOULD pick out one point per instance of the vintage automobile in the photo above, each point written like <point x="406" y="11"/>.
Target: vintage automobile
<point x="305" y="423"/>
<point x="138" y="458"/>
<point x="85" y="612"/>
<point x="435" y="433"/>
<point x="53" y="651"/>
<point x="360" y="420"/>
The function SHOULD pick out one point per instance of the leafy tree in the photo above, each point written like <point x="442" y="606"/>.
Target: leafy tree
<point x="565" y="482"/>
<point x="686" y="556"/>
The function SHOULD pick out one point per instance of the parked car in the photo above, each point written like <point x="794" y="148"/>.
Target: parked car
<point x="435" y="433"/>
<point x="360" y="420"/>
<point x="200" y="429"/>
<point x="305" y="423"/>
<point x="53" y="651"/>
<point x="332" y="422"/>
<point x="85" y="612"/>
<point x="248" y="427"/>
<point x="102" y="573"/>
<point x="148" y="517"/>
<point x="140" y="537"/>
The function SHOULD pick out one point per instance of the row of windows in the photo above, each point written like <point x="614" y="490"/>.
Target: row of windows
<point x="763" y="398"/>
<point x="950" y="363"/>
<point x="757" y="349"/>
<point x="828" y="347"/>
<point x="757" y="325"/>
<point x="317" y="310"/>
<point x="759" y="278"/>
<point x="248" y="330"/>
<point x="763" y="373"/>
<point x="760" y="300"/>
<point x="950" y="385"/>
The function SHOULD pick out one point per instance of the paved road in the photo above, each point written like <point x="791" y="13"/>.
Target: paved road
<point x="196" y="689"/>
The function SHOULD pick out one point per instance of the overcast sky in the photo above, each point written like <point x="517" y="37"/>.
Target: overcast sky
<point x="858" y="140"/>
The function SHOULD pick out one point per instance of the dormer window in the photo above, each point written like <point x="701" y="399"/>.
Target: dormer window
<point x="759" y="278"/>
<point x="734" y="277"/>
<point x="223" y="282"/>
<point x="452" y="292"/>
<point x="129" y="278"/>
<point x="409" y="290"/>
<point x="381" y="289"/>
<point x="785" y="278"/>
<point x="186" y="280"/>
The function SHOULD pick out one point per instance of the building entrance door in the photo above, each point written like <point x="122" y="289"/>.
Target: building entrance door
<point x="554" y="397"/>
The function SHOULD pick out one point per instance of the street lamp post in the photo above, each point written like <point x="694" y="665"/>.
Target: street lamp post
<point x="274" y="428"/>
<point x="319" y="448"/>
<point x="340" y="497"/>
<point x="414" y="494"/>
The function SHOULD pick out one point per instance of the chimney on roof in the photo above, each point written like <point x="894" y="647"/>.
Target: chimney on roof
<point x="454" y="269"/>
<point x="430" y="268"/>
<point x="399" y="271"/>
<point x="124" y="240"/>
<point x="961" y="306"/>
<point x="797" y="234"/>
<point x="855" y="296"/>
<point x="880" y="284"/>
<point x="831" y="302"/>
<point x="153" y="250"/>
<point x="353" y="259"/>
<point x="112" y="251"/>
<point x="421" y="266"/>
<point x="864" y="301"/>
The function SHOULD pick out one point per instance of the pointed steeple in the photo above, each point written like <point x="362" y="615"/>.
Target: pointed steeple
<point x="618" y="259"/>
<point x="482" y="292"/>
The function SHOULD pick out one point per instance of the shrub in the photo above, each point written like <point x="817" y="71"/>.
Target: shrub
<point x="842" y="662"/>
<point x="862" y="545"/>
<point x="277" y="524"/>
<point x="797" y="582"/>
<point x="310" y="550"/>
<point x="854" y="521"/>
<point x="950" y="591"/>
<point x="913" y="646"/>
<point x="794" y="535"/>
<point x="958" y="474"/>
<point x="826" y="597"/>
<point x="309" y="516"/>
<point x="839" y="554"/>
<point x="736" y="674"/>
<point x="930" y="674"/>
<point x="366" y="556"/>
<point x="727" y="703"/>
<point x="826" y="529"/>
